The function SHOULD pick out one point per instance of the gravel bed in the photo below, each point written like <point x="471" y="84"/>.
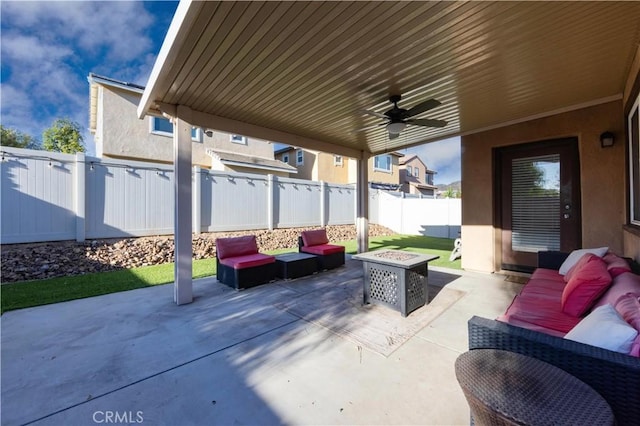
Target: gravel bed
<point x="20" y="262"/>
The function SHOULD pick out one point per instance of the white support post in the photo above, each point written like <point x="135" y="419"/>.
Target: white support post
<point x="197" y="200"/>
<point x="362" y="203"/>
<point x="183" y="285"/>
<point x="80" y="199"/>
<point x="270" y="197"/>
<point x="323" y="204"/>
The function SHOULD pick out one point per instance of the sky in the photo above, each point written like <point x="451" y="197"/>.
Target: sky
<point x="48" y="49"/>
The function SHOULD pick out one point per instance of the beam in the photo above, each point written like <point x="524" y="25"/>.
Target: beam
<point x="214" y="122"/>
<point x="183" y="285"/>
<point x="362" y="203"/>
<point x="165" y="65"/>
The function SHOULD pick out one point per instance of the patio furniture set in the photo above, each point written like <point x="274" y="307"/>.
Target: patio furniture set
<point x="579" y="313"/>
<point x="394" y="278"/>
<point x="240" y="265"/>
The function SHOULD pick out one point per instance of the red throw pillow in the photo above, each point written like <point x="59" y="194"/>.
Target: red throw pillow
<point x="628" y="306"/>
<point x="616" y="265"/>
<point x="589" y="280"/>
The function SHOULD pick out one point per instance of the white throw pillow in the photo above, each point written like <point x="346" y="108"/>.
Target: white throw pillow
<point x="604" y="328"/>
<point x="575" y="255"/>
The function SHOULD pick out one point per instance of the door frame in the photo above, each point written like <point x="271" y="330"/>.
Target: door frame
<point x="571" y="143"/>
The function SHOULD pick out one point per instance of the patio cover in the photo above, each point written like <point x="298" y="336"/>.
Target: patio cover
<point x="299" y="72"/>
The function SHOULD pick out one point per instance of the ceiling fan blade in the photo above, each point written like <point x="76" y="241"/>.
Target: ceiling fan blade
<point x="393" y="135"/>
<point x="429" y="122"/>
<point x="375" y="114"/>
<point x="422" y="107"/>
<point x="362" y="129"/>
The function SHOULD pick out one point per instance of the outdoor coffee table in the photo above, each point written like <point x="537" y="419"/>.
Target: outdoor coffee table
<point x="395" y="278"/>
<point x="508" y="388"/>
<point x="295" y="265"/>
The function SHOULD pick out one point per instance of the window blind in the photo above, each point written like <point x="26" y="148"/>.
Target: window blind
<point x="535" y="198"/>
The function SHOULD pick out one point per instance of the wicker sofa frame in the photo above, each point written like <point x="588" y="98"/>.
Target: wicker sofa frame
<point x="613" y="375"/>
<point x="245" y="278"/>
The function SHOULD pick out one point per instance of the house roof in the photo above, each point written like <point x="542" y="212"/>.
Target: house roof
<point x="95" y="78"/>
<point x="423" y="185"/>
<point x="235" y="159"/>
<point x="94" y="81"/>
<point x="406" y="159"/>
<point x="284" y="149"/>
<point x="301" y="72"/>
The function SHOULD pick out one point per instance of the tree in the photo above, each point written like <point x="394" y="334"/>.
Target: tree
<point x="17" y="139"/>
<point x="63" y="136"/>
<point x="452" y="193"/>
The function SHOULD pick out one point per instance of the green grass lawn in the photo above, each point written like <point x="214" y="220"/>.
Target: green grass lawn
<point x="42" y="292"/>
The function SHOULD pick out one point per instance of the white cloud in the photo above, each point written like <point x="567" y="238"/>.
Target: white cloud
<point x="48" y="49"/>
<point x="116" y="30"/>
<point x="442" y="156"/>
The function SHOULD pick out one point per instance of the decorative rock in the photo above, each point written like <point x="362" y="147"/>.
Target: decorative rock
<point x="20" y="262"/>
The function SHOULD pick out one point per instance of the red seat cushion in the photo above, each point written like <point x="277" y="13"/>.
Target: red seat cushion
<point x="236" y="246"/>
<point x="315" y="237"/>
<point x="540" y="313"/>
<point x="248" y="261"/>
<point x="545" y="283"/>
<point x="323" y="249"/>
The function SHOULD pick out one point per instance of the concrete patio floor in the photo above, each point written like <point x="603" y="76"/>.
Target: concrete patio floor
<point x="232" y="358"/>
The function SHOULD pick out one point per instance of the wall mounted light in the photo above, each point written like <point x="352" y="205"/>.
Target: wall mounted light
<point x="606" y="140"/>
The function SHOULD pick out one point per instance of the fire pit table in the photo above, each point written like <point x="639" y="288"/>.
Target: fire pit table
<point x="395" y="278"/>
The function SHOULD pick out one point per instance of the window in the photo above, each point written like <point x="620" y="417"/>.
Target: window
<point x="285" y="158"/>
<point x="634" y="163"/>
<point x="337" y="160"/>
<point x="161" y="126"/>
<point x="239" y="139"/>
<point x="196" y="134"/>
<point x="299" y="157"/>
<point x="382" y="163"/>
<point x="408" y="170"/>
<point x="164" y="127"/>
<point x="417" y="172"/>
<point x="429" y="178"/>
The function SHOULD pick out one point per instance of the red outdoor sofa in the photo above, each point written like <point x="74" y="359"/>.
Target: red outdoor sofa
<point x="316" y="242"/>
<point x="240" y="265"/>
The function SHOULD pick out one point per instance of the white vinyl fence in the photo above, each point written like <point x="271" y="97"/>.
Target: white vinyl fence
<point x="47" y="196"/>
<point x="416" y="216"/>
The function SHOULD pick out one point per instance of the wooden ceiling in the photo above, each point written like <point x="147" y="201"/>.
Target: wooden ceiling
<point x="306" y="69"/>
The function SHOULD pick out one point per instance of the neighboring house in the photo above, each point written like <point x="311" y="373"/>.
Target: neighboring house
<point x="118" y="133"/>
<point x="415" y="177"/>
<point x="321" y="166"/>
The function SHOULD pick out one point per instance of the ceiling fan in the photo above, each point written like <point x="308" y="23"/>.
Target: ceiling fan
<point x="398" y="118"/>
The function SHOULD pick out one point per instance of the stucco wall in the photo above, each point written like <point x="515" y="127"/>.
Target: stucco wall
<point x="123" y="135"/>
<point x="382" y="176"/>
<point x="330" y="172"/>
<point x="602" y="175"/>
<point x="406" y="178"/>
<point x="632" y="233"/>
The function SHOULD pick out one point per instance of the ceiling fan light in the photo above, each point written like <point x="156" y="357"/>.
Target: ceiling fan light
<point x="396" y="128"/>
